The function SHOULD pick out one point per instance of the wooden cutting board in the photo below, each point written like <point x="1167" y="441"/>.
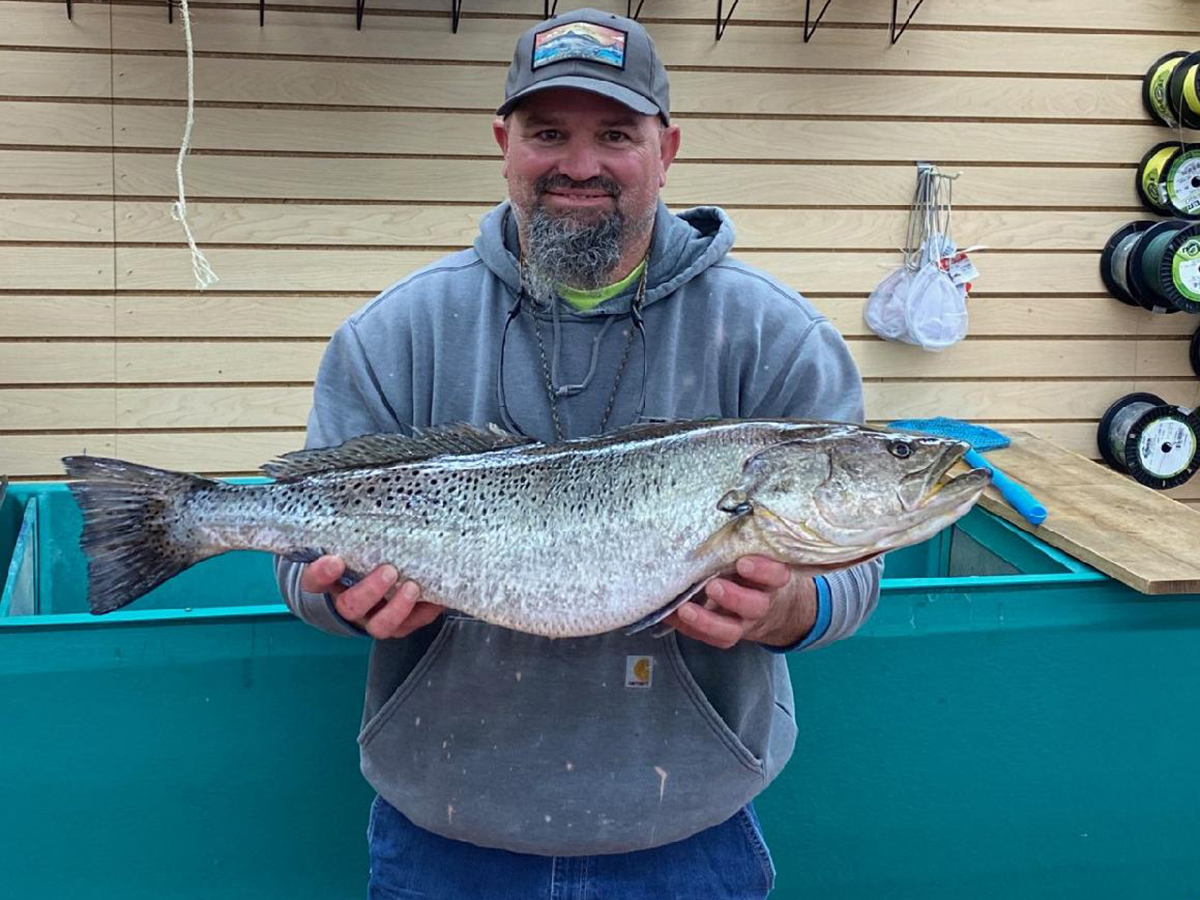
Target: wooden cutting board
<point x="1131" y="532"/>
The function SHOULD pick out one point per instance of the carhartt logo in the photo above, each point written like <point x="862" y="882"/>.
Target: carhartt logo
<point x="639" y="671"/>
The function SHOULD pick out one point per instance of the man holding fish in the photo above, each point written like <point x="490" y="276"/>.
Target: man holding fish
<point x="510" y="765"/>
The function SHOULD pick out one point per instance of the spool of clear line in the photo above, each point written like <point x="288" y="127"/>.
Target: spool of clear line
<point x="1153" y="441"/>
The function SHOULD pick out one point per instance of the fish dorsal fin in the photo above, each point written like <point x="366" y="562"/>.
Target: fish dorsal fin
<point x="377" y="450"/>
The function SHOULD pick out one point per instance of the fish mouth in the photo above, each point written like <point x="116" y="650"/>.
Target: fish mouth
<point x="944" y="493"/>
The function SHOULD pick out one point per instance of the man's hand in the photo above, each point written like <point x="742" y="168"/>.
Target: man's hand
<point x="375" y="604"/>
<point x="768" y="602"/>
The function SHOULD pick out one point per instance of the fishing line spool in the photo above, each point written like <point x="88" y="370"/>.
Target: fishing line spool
<point x="1153" y="441"/>
<point x="1171" y="90"/>
<point x="1114" y="262"/>
<point x="1152" y="174"/>
<point x="1194" y="352"/>
<point x="1180" y="188"/>
<point x="1164" y="267"/>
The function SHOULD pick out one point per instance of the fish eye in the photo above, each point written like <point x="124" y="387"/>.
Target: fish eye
<point x="900" y="449"/>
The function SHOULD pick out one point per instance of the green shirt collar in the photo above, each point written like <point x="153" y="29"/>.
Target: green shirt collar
<point x="585" y="300"/>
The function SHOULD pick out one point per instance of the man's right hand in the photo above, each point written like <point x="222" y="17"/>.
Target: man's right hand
<point x="375" y="604"/>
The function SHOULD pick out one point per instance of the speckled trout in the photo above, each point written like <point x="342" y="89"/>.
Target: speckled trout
<point x="562" y="540"/>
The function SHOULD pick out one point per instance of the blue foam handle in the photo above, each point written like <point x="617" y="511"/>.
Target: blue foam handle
<point x="1016" y="495"/>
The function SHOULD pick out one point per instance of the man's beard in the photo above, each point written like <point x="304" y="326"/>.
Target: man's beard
<point x="579" y="251"/>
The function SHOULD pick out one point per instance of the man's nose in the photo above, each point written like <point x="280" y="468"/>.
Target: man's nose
<point x="579" y="161"/>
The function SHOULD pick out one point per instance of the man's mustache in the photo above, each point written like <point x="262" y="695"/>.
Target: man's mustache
<point x="562" y="182"/>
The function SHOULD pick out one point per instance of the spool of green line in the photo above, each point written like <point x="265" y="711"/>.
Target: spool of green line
<point x="1164" y="267"/>
<point x="1183" y="90"/>
<point x="1151" y="176"/>
<point x="1114" y="262"/>
<point x="1156" y="87"/>
<point x="1180" y="185"/>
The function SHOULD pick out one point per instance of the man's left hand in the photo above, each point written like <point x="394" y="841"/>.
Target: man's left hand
<point x="765" y="601"/>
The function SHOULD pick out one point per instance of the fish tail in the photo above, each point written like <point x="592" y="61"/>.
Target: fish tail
<point x="128" y="511"/>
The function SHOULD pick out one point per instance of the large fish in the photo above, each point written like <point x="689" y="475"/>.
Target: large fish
<point x="561" y="540"/>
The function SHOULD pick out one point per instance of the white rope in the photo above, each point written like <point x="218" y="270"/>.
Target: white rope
<point x="205" y="276"/>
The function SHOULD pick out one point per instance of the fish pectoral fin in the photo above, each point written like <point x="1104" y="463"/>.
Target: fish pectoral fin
<point x="659" y="614"/>
<point x="377" y="450"/>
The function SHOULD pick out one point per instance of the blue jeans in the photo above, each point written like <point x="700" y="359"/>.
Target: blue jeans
<point x="726" y="862"/>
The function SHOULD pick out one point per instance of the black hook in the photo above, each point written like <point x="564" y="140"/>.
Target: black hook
<point x="809" y="32"/>
<point x="721" y="24"/>
<point x="895" y="35"/>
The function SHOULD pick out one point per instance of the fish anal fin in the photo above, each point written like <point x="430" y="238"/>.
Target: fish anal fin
<point x="659" y="614"/>
<point x="379" y="450"/>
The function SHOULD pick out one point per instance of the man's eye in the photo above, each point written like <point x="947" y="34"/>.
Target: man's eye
<point x="548" y="135"/>
<point x="616" y="137"/>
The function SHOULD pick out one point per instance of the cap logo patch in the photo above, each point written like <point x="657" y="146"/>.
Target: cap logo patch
<point x="579" y="40"/>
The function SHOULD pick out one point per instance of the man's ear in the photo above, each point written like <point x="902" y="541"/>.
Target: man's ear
<point x="668" y="147"/>
<point x="500" y="133"/>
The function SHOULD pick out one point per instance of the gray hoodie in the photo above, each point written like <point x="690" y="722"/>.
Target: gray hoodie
<point x="592" y="745"/>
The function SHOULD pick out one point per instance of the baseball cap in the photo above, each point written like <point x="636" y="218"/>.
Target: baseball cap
<point x="589" y="50"/>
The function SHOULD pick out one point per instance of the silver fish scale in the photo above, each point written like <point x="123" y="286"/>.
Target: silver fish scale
<point x="561" y="541"/>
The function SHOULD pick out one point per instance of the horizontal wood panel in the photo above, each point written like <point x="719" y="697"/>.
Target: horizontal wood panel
<point x="254" y="269"/>
<point x="41" y="74"/>
<point x="77" y="268"/>
<point x="56" y="409"/>
<point x="296" y="361"/>
<point x="408" y="37"/>
<point x="56" y="220"/>
<point x="215" y="362"/>
<point x="55" y="172"/>
<point x="250" y="406"/>
<point x="35" y="315"/>
<point x="1031" y="317"/>
<point x="692" y="92"/>
<point x="56" y="124"/>
<point x="212" y="315"/>
<point x="240" y="407"/>
<point x="464" y="134"/>
<point x="57" y="362"/>
<point x="211" y="452"/>
<point x="688" y="184"/>
<point x="1032" y="400"/>
<point x="39" y="455"/>
<point x="457" y="226"/>
<point x="46" y="25"/>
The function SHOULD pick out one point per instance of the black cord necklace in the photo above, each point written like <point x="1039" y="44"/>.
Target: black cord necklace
<point x="552" y="392"/>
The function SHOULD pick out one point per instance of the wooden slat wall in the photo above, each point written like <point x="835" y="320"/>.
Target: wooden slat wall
<point x="329" y="162"/>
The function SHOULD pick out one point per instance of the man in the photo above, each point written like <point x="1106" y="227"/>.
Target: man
<point x="512" y="766"/>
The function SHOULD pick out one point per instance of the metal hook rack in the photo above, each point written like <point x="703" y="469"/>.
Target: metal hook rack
<point x="893" y="33"/>
<point x="455" y="13"/>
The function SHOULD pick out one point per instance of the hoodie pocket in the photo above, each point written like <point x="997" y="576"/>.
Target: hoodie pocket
<point x="707" y="711"/>
<point x="408" y="685"/>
